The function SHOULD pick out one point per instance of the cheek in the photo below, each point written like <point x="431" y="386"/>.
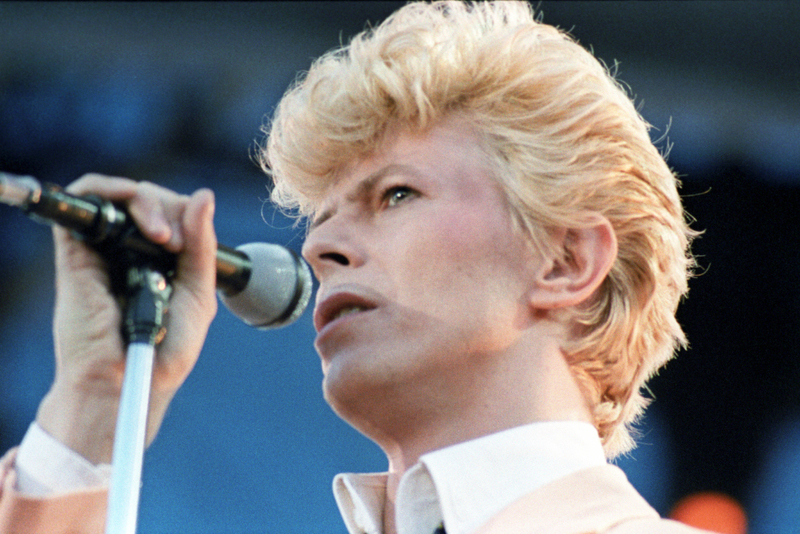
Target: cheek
<point x="477" y="246"/>
<point x="453" y="260"/>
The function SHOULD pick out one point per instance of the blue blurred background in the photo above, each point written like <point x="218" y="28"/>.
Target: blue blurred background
<point x="176" y="93"/>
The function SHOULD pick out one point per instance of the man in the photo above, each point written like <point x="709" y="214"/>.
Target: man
<point x="500" y="250"/>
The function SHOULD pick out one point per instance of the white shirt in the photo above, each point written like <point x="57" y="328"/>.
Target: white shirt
<point x="45" y="466"/>
<point x="467" y="484"/>
<point x="463" y="485"/>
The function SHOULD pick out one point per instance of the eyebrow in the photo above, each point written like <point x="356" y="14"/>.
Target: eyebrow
<point x="364" y="189"/>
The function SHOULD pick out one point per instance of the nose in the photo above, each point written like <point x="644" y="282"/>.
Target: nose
<point x="332" y="246"/>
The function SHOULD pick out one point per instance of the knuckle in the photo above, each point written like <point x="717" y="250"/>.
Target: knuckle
<point x="152" y="191"/>
<point x="86" y="183"/>
<point x="101" y="184"/>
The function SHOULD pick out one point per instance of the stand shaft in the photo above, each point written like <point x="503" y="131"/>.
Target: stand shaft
<point x="129" y="440"/>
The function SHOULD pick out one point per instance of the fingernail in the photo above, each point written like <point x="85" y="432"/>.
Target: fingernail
<point x="159" y="225"/>
<point x="209" y="203"/>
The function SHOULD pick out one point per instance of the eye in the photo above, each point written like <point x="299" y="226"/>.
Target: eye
<point x="397" y="194"/>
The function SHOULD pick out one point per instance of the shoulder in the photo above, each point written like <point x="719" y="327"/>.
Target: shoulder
<point x="599" y="499"/>
<point x="653" y="526"/>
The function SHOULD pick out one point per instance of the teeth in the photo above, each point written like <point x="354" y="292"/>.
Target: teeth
<point x="348" y="311"/>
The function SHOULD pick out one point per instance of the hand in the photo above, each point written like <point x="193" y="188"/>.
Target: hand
<point x="81" y="407"/>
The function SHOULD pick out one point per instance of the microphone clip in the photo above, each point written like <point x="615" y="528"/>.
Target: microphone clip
<point x="146" y="304"/>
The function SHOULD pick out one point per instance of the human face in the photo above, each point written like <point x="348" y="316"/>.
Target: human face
<point x="423" y="276"/>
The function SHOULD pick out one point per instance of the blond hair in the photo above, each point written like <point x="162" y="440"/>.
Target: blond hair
<point x="565" y="139"/>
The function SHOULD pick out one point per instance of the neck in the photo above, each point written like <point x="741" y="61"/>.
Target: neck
<point x="543" y="390"/>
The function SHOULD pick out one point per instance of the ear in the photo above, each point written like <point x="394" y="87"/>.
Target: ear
<point x="585" y="257"/>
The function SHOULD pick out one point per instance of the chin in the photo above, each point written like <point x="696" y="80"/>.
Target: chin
<point x="348" y="404"/>
<point x="347" y="384"/>
<point x="359" y="393"/>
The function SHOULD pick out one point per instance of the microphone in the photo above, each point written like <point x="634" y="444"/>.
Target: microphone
<point x="265" y="285"/>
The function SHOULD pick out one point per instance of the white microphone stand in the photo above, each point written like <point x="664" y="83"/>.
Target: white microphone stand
<point x="147" y="295"/>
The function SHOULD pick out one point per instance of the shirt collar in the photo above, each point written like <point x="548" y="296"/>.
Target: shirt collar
<point x="468" y="483"/>
<point x="360" y="498"/>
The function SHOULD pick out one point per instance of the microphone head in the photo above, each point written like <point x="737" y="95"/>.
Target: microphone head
<point x="277" y="291"/>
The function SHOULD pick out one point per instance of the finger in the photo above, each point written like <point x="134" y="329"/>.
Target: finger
<point x="111" y="187"/>
<point x="158" y="213"/>
<point x="156" y="210"/>
<point x="197" y="263"/>
<point x="193" y="303"/>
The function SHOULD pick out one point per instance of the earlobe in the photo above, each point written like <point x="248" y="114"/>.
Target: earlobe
<point x="584" y="257"/>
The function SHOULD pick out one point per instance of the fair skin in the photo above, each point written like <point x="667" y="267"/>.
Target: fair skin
<point x="446" y="335"/>
<point x="81" y="407"/>
<point x="450" y="336"/>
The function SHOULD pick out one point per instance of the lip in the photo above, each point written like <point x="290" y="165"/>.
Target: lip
<point x="331" y="303"/>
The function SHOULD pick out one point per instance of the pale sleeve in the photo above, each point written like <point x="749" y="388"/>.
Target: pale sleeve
<point x="62" y="511"/>
<point x="45" y="466"/>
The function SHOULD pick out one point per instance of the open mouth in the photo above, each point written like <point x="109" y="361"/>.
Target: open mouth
<point x="338" y="306"/>
<point x="348" y="310"/>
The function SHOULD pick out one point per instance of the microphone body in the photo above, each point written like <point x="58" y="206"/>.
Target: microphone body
<point x="265" y="285"/>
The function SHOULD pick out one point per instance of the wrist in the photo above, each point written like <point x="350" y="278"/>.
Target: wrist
<point x="85" y="419"/>
<point x="83" y="422"/>
<point x="45" y="466"/>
